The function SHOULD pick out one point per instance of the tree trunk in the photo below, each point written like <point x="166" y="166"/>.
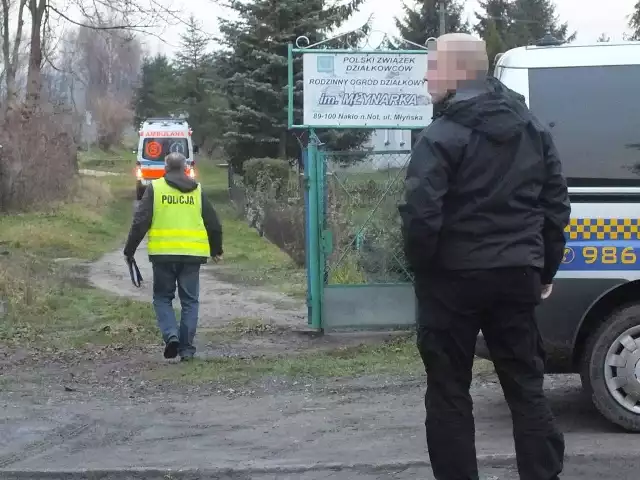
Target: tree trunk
<point x="34" y="76"/>
<point x="10" y="56"/>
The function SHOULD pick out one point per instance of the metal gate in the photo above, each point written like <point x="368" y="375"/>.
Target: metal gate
<point x="357" y="275"/>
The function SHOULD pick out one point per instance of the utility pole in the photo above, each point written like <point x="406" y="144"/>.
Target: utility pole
<point x="443" y="17"/>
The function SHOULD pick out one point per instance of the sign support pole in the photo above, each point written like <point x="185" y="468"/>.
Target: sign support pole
<point x="316" y="273"/>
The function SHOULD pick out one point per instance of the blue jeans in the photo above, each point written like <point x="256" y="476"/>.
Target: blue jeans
<point x="165" y="278"/>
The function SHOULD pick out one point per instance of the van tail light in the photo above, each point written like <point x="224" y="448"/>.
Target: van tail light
<point x="138" y="171"/>
<point x="191" y="169"/>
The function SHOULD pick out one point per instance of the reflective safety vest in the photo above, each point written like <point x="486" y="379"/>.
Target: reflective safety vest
<point x="177" y="227"/>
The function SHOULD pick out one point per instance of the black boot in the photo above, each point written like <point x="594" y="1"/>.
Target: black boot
<point x="171" y="348"/>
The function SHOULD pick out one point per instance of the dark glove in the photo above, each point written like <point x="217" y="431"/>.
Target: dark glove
<point x="134" y="271"/>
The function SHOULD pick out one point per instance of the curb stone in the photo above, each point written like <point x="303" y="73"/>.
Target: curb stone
<point x="242" y="471"/>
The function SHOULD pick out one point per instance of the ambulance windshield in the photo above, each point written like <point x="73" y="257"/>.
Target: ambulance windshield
<point x="156" y="149"/>
<point x="593" y="114"/>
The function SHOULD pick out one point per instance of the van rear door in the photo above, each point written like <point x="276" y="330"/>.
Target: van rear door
<point x="154" y="151"/>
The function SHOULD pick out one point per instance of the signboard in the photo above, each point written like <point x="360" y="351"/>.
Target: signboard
<point x="366" y="90"/>
<point x="173" y="133"/>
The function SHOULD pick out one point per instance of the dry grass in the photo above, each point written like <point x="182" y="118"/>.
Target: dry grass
<point x="38" y="158"/>
<point x="46" y="298"/>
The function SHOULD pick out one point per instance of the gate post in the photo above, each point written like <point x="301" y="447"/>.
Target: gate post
<point x="306" y="165"/>
<point x="315" y="275"/>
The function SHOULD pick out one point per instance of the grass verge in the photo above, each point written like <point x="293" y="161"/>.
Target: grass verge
<point x="43" y="289"/>
<point x="396" y="357"/>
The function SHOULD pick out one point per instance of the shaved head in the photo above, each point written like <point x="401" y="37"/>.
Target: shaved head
<point x="455" y="58"/>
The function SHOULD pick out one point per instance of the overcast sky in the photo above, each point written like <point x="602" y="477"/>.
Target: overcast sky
<point x="589" y="17"/>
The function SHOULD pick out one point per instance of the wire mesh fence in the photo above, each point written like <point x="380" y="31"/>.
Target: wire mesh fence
<point x="362" y="193"/>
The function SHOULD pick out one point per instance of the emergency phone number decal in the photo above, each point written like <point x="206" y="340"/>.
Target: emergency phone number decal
<point x="600" y="256"/>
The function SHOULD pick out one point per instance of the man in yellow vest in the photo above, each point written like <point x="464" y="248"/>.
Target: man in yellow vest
<point x="184" y="231"/>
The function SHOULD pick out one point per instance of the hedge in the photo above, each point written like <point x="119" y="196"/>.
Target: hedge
<point x="274" y="169"/>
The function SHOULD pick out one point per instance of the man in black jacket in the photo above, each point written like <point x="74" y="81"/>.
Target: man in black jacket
<point x="183" y="232"/>
<point x="486" y="205"/>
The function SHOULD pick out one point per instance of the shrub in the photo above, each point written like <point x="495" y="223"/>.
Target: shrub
<point x="284" y="226"/>
<point x="112" y="116"/>
<point x="273" y="204"/>
<point x="271" y="171"/>
<point x="38" y="159"/>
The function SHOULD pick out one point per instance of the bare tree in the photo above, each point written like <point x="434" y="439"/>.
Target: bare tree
<point x="11" y="49"/>
<point x="97" y="15"/>
<point x="112" y="116"/>
<point x="104" y="64"/>
<point x="110" y="61"/>
<point x="39" y="157"/>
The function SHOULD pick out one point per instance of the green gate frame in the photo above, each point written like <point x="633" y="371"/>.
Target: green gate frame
<point x="318" y="238"/>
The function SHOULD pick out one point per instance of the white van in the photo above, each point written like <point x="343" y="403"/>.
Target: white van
<point x="158" y="138"/>
<point x="589" y="98"/>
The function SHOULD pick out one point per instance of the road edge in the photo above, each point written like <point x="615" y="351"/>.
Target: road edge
<point x="485" y="461"/>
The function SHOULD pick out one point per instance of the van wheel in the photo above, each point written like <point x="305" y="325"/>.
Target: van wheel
<point x="611" y="368"/>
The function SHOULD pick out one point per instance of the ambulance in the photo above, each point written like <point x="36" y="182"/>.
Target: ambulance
<point x="588" y="97"/>
<point x="158" y="138"/>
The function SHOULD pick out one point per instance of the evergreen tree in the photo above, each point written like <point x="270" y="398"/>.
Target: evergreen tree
<point x="497" y="15"/>
<point x="495" y="43"/>
<point x="494" y="26"/>
<point x="156" y="93"/>
<point x="254" y="74"/>
<point x="422" y="22"/>
<point x="634" y="23"/>
<point x="533" y="19"/>
<point x="506" y="24"/>
<point x="196" y="80"/>
<point x="604" y="38"/>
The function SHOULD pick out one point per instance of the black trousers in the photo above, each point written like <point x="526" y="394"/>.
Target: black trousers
<point x="452" y="308"/>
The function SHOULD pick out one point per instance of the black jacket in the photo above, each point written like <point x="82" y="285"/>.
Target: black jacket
<point x="144" y="215"/>
<point x="485" y="188"/>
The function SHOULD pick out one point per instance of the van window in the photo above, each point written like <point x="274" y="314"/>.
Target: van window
<point x="158" y="148"/>
<point x="593" y="114"/>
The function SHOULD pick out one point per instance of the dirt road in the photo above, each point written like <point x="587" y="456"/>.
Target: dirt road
<point x="220" y="302"/>
<point x="370" y="422"/>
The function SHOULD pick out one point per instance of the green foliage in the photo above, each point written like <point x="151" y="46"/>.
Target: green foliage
<point x="495" y="43"/>
<point x="506" y="24"/>
<point x="253" y="72"/>
<point x="156" y="93"/>
<point x="274" y="170"/>
<point x="183" y="86"/>
<point x="533" y="19"/>
<point x="196" y="82"/>
<point x="634" y="22"/>
<point x="422" y="22"/>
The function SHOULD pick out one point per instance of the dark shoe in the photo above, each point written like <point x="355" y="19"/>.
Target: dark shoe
<point x="171" y="349"/>
<point x="186" y="359"/>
